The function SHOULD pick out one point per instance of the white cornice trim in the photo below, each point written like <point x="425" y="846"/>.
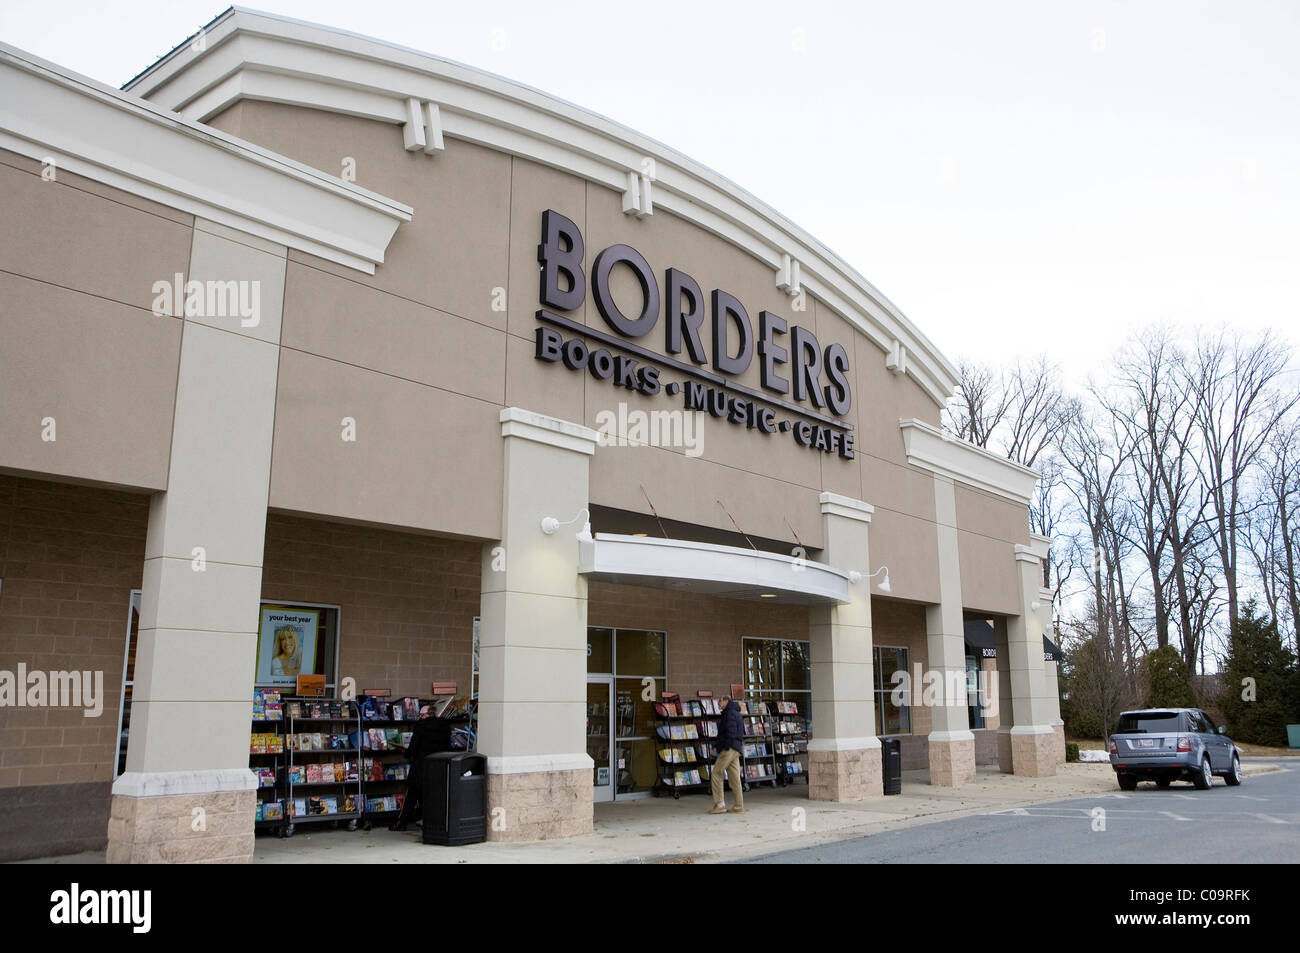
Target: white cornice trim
<point x="258" y="56"/>
<point x="97" y="132"/>
<point x="940" y="452"/>
<point x="835" y="505"/>
<point x="1041" y="545"/>
<point x="552" y="431"/>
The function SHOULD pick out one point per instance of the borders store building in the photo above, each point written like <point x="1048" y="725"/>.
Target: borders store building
<point x="492" y="391"/>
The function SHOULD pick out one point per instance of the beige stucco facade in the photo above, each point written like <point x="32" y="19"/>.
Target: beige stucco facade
<point x="385" y="407"/>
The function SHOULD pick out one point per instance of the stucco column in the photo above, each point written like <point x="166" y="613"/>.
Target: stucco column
<point x="952" y="746"/>
<point x="533" y="637"/>
<point x="1040" y="546"/>
<point x="187" y="793"/>
<point x="844" y="754"/>
<point x="1033" y="738"/>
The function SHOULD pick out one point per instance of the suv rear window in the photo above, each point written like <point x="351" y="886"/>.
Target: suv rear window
<point x="1153" y="722"/>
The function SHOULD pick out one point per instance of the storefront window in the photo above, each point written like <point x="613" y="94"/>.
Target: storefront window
<point x="128" y="681"/>
<point x="640" y="653"/>
<point x="600" y="651"/>
<point x="891" y="719"/>
<point x="796" y="667"/>
<point x="635" y="715"/>
<point x="474" y="659"/>
<point x="762" y="668"/>
<point x="779" y="670"/>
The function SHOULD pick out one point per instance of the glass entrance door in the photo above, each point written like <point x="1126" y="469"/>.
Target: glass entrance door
<point x="600" y="692"/>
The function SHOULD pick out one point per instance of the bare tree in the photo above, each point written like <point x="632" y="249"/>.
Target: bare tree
<point x="1049" y="516"/>
<point x="1280" y="478"/>
<point x="1260" y="524"/>
<point x="1238" y="406"/>
<point x="1016" y="412"/>
<point x="1149" y="407"/>
<point x="1034" y="404"/>
<point x="1101" y="686"/>
<point x="979" y="404"/>
<point x="1096" y="456"/>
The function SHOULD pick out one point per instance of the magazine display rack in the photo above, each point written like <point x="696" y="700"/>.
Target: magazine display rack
<point x="684" y="746"/>
<point x="322" y="780"/>
<point x="758" y="762"/>
<point x="790" y="742"/>
<point x="385" y="732"/>
<point x="325" y="759"/>
<point x="266" y="753"/>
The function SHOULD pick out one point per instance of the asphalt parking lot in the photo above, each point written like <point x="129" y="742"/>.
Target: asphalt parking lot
<point x="1258" y="822"/>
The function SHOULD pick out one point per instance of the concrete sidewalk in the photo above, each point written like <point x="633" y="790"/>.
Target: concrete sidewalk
<point x="661" y="830"/>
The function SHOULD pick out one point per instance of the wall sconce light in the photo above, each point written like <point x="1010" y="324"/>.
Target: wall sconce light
<point x="855" y="576"/>
<point x="1035" y="605"/>
<point x="550" y="524"/>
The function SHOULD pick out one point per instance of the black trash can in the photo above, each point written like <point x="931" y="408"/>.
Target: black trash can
<point x="455" y="798"/>
<point x="891" y="752"/>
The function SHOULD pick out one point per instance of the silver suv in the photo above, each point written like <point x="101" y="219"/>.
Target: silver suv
<point x="1170" y="744"/>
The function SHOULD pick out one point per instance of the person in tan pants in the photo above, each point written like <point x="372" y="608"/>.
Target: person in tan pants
<point x="731" y="742"/>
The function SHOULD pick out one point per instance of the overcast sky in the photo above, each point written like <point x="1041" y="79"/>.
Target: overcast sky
<point x="1015" y="177"/>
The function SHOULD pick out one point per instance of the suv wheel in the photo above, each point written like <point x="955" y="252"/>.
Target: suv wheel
<point x="1206" y="777"/>
<point x="1128" y="782"/>
<point x="1233" y="777"/>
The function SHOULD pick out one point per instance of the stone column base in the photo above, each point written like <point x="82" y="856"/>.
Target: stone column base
<point x="182" y="817"/>
<point x="952" y="758"/>
<point x="539" y="805"/>
<point x="1004" y="751"/>
<point x="1033" y="751"/>
<point x="845" y="774"/>
<point x="1059" y="730"/>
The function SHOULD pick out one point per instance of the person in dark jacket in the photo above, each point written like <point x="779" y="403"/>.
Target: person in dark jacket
<point x="730" y="744"/>
<point x="429" y="736"/>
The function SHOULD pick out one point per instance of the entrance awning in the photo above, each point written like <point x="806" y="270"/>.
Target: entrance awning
<point x="981" y="638"/>
<point x="1051" y="651"/>
<point x="710" y="569"/>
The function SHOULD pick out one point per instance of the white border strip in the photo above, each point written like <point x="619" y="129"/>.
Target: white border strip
<point x="539" y="763"/>
<point x="844" y="744"/>
<point x="177" y="783"/>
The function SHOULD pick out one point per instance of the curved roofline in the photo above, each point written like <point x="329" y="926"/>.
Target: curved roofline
<point x="249" y="54"/>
